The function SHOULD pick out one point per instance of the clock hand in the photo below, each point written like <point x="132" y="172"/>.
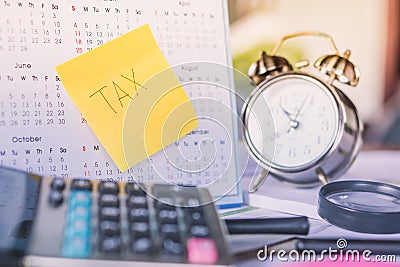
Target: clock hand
<point x="287" y="113"/>
<point x="277" y="134"/>
<point x="294" y="123"/>
<point x="302" y="106"/>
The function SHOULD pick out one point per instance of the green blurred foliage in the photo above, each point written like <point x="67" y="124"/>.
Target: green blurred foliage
<point x="242" y="61"/>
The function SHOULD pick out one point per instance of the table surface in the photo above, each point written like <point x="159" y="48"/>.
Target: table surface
<point x="371" y="164"/>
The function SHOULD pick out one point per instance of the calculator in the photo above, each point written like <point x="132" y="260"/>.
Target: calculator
<point x="81" y="222"/>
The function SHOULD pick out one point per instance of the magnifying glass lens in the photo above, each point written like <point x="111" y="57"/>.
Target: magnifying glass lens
<point x="361" y="206"/>
<point x="366" y="201"/>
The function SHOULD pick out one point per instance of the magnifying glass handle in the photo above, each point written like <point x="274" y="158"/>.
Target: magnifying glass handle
<point x="257" y="181"/>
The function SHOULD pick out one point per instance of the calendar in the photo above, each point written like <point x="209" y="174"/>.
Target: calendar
<point x="43" y="132"/>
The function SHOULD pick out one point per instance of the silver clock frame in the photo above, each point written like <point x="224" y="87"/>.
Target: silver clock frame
<point x="336" y="158"/>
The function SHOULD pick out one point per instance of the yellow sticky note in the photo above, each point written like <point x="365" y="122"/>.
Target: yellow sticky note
<point x="130" y="97"/>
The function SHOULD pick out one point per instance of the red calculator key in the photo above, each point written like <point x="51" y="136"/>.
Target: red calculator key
<point x="202" y="250"/>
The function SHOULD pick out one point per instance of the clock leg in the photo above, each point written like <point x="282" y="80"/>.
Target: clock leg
<point x="321" y="176"/>
<point x="257" y="181"/>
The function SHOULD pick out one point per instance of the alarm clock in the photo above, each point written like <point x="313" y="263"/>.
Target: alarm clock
<point x="297" y="124"/>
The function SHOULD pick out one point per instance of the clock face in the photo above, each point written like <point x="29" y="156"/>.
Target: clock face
<point x="301" y="125"/>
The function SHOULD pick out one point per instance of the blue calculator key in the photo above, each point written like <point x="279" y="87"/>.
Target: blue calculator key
<point x="76" y="246"/>
<point x="77" y="231"/>
<point x="79" y="212"/>
<point x="78" y="226"/>
<point x="79" y="197"/>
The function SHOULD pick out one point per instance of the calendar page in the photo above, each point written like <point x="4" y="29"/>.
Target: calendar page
<point x="43" y="132"/>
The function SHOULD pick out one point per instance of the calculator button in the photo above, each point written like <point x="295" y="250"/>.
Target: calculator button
<point x="138" y="214"/>
<point x="109" y="213"/>
<point x="139" y="229"/>
<point x="81" y="184"/>
<point x="56" y="198"/>
<point x="76" y="246"/>
<point x="201" y="251"/>
<point x="168" y="216"/>
<point x="169" y="230"/>
<point x="109" y="228"/>
<point x="57" y="184"/>
<point x="78" y="226"/>
<point x="110" y="244"/>
<point x="80" y="198"/>
<point x="137" y="201"/>
<point x="199" y="231"/>
<point x="172" y="247"/>
<point x="195" y="216"/>
<point x="142" y="245"/>
<point x="79" y="212"/>
<point x="108" y="200"/>
<point x="134" y="189"/>
<point x="108" y="188"/>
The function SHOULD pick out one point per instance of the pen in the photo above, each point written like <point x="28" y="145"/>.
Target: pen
<point x="290" y="225"/>
<point x="375" y="246"/>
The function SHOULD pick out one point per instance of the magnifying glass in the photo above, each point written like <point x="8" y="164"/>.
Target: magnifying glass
<point x="361" y="206"/>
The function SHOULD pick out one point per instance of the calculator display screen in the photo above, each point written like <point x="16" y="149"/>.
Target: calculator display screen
<point x="18" y="195"/>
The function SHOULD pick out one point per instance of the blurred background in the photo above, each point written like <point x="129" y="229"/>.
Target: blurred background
<point x="369" y="28"/>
